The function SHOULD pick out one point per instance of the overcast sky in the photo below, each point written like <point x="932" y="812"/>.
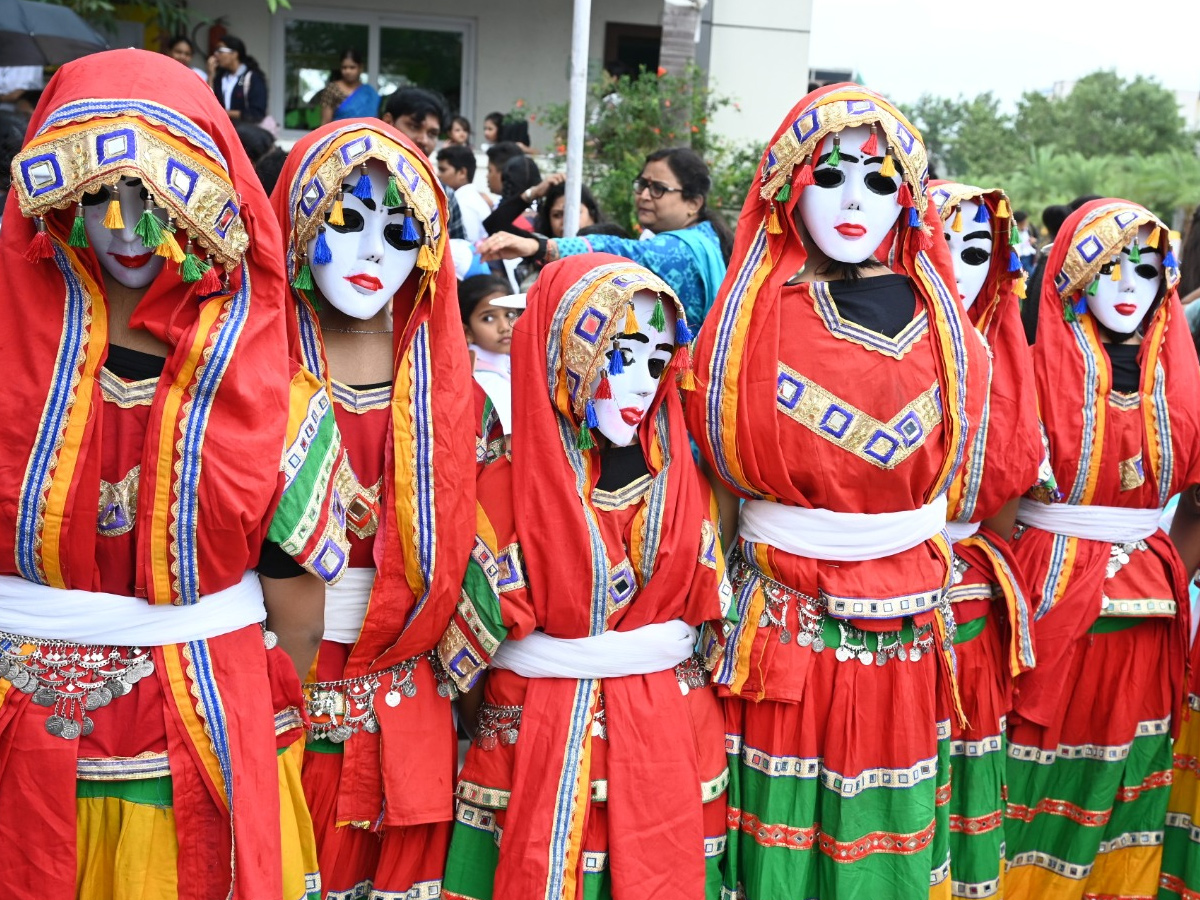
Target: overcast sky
<point x="968" y="41"/>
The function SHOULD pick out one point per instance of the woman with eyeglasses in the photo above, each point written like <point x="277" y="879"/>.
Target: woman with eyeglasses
<point x="238" y="81"/>
<point x="690" y="246"/>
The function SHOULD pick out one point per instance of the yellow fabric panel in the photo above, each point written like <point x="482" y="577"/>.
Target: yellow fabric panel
<point x="126" y="851"/>
<point x="300" y="879"/>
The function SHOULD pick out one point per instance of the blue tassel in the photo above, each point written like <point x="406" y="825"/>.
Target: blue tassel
<point x="914" y="217"/>
<point x="616" y="365"/>
<point x="362" y="189"/>
<point x="322" y="255"/>
<point x="590" y="413"/>
<point x="1014" y="261"/>
<point x="683" y="334"/>
<point x="410" y="230"/>
<point x="982" y="215"/>
<point x="1169" y="260"/>
<point x="1081" y="305"/>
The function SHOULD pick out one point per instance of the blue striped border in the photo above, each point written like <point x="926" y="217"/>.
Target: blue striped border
<point x="656" y="502"/>
<point x="1090" y="380"/>
<point x="54" y="418"/>
<point x="423" y="465"/>
<point x="1166" y="447"/>
<point x="192" y="443"/>
<point x="564" y="808"/>
<point x="213" y="711"/>
<point x="1058" y="558"/>
<point x="745" y="593"/>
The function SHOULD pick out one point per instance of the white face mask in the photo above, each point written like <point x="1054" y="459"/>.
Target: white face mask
<point x="851" y="208"/>
<point x="971" y="251"/>
<point x="121" y="252"/>
<point x="646" y="356"/>
<point x="369" y="262"/>
<point x="1121" y="305"/>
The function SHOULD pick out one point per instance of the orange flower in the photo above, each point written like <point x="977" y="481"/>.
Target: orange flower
<point x="695" y="130"/>
<point x="657" y="131"/>
<point x="520" y="104"/>
<point x="661" y="71"/>
<point x="561" y="148"/>
<point x="667" y="103"/>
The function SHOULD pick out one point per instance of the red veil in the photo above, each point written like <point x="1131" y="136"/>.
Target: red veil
<point x="427" y="520"/>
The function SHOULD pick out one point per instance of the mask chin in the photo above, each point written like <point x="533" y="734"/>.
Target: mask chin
<point x="120" y="251"/>
<point x="369" y="261"/>
<point x="646" y="357"/>
<point x="851" y="207"/>
<point x="970" y="251"/>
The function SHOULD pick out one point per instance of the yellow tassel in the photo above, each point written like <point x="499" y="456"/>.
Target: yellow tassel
<point x="688" y="381"/>
<point x="631" y="322"/>
<point x="1116" y="272"/>
<point x="1152" y="241"/>
<point x="773" y="226"/>
<point x="1020" y="289"/>
<point x="335" y="214"/>
<point x="113" y="219"/>
<point x="888" y="169"/>
<point x="169" y="248"/>
<point x="956" y="225"/>
<point x="1002" y="209"/>
<point x="425" y="259"/>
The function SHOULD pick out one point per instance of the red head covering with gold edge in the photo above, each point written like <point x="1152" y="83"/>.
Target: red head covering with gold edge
<point x="129" y="112"/>
<point x="735" y="353"/>
<point x="428" y="509"/>
<point x="1072" y="370"/>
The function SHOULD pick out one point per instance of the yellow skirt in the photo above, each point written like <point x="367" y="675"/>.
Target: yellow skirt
<point x="127" y="845"/>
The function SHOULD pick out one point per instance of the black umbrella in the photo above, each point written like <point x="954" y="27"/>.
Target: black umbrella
<point x="41" y="34"/>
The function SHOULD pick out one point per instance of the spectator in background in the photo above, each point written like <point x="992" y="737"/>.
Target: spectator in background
<point x="256" y="141"/>
<point x="549" y="219"/>
<point x="419" y="115"/>
<point x="488" y="330"/>
<point x="517" y="131"/>
<point x="456" y="170"/>
<point x="690" y="246"/>
<point x="270" y="167"/>
<point x="460" y="132"/>
<point x="27" y="102"/>
<point x="611" y="229"/>
<point x="521" y="185"/>
<point x="492" y="124"/>
<point x="498" y="156"/>
<point x="15" y="80"/>
<point x="183" y="51"/>
<point x="12" y="137"/>
<point x="1027" y="245"/>
<point x="1053" y="218"/>
<point x="238" y="81"/>
<point x="1189" y="261"/>
<point x="347" y="96"/>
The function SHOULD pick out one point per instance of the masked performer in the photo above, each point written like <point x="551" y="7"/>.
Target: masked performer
<point x="149" y="393"/>
<point x="363" y="216"/>
<point x="597" y="767"/>
<point x="993" y="641"/>
<point x="835" y="396"/>
<point x="1090" y="739"/>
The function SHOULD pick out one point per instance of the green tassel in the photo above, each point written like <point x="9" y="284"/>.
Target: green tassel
<point x="191" y="269"/>
<point x="1135" y="254"/>
<point x="1014" y="236"/>
<point x="150" y="229"/>
<point x="836" y="156"/>
<point x="1093" y="287"/>
<point x="584" y="440"/>
<point x="303" y="280"/>
<point x="78" y="236"/>
<point x="785" y="192"/>
<point x="658" y="318"/>
<point x="391" y="198"/>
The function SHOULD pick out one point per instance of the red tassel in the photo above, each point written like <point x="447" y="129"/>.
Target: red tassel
<point x="41" y="247"/>
<point x="805" y="178"/>
<point x="604" y="392"/>
<point x="210" y="283"/>
<point x="904" y="195"/>
<point x="870" y="146"/>
<point x="683" y="357"/>
<point x="924" y="239"/>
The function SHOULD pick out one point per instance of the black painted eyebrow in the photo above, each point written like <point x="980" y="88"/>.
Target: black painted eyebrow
<point x="636" y="336"/>
<point x="849" y="157"/>
<point x="670" y="348"/>
<point x="978" y="236"/>
<point x="1143" y="251"/>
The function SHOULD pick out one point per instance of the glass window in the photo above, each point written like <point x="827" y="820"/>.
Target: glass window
<point x="311" y="61"/>
<point x="425" y="58"/>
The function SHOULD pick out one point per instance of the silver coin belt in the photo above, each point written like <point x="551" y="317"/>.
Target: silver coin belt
<point x="499" y="724"/>
<point x="811" y="617"/>
<point x="350" y="703"/>
<point x="74" y="679"/>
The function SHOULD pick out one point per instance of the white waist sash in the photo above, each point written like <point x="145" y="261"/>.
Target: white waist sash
<point x="94" y="617"/>
<point x="1111" y="524"/>
<point x="613" y="654"/>
<point x="346" y="605"/>
<point x="848" y="537"/>
<point x="960" y="531"/>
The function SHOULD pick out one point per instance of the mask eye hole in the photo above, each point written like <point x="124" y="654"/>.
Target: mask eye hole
<point x="101" y="196"/>
<point x="974" y="256"/>
<point x="626" y="355"/>
<point x="656" y="367"/>
<point x="878" y="184"/>
<point x="828" y="178"/>
<point x="394" y="235"/>
<point x="352" y="221"/>
<point x="1147" y="271"/>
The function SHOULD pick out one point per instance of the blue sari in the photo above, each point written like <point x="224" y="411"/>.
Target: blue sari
<point x="364" y="101"/>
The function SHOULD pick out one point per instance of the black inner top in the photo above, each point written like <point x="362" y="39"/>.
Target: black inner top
<point x="1127" y="373"/>
<point x="133" y="365"/>
<point x="885" y="304"/>
<point x="620" y="466"/>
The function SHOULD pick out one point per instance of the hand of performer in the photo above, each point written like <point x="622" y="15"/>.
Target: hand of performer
<point x="538" y="191"/>
<point x="1185" y="529"/>
<point x="503" y="245"/>
<point x="296" y="614"/>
